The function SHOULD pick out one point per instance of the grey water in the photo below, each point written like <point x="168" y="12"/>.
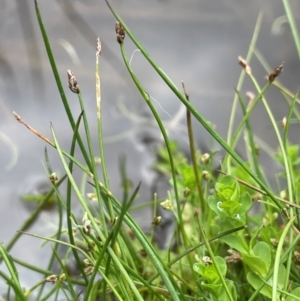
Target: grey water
<point x="194" y="41"/>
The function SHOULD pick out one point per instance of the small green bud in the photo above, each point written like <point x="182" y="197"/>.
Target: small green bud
<point x="88" y="270"/>
<point x="167" y="204"/>
<point x="52" y="278"/>
<point x="53" y="178"/>
<point x="87" y="262"/>
<point x="205" y="158"/>
<point x="156" y="221"/>
<point x="62" y="277"/>
<point x="186" y="192"/>
<point x="92" y="196"/>
<point x="206" y="175"/>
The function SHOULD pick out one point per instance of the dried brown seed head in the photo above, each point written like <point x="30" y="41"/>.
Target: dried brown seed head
<point x="275" y="72"/>
<point x="207" y="260"/>
<point x="87" y="228"/>
<point x="234" y="256"/>
<point x="143" y="253"/>
<point x="244" y="65"/>
<point x="72" y="82"/>
<point x="120" y="31"/>
<point x="297" y="258"/>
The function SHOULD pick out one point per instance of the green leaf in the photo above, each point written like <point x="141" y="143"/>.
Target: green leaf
<point x="221" y="264"/>
<point x="231" y="207"/>
<point x="245" y="203"/>
<point x="232" y="289"/>
<point x="187" y="173"/>
<point x="214" y="289"/>
<point x="281" y="276"/>
<point x="235" y="221"/>
<point x="199" y="268"/>
<point x="259" y="260"/>
<point x="218" y="290"/>
<point x="213" y="203"/>
<point x="296" y="293"/>
<point x="228" y="202"/>
<point x="266" y="290"/>
<point x="238" y="172"/>
<point x="236" y="241"/>
<point x="256" y="283"/>
<point x="228" y="189"/>
<point x="292" y="152"/>
<point x="209" y="272"/>
<point x="262" y="250"/>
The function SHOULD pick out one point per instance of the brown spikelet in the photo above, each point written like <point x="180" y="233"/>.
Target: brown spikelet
<point x="120" y="31"/>
<point x="244" y="65"/>
<point x="275" y="72"/>
<point x="72" y="82"/>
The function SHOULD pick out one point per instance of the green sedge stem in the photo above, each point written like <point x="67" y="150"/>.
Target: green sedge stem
<point x="166" y="139"/>
<point x="196" y="114"/>
<point x="241" y="80"/>
<point x="193" y="153"/>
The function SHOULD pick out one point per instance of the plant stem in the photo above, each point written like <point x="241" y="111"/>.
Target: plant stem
<point x="241" y="80"/>
<point x="196" y="114"/>
<point x="193" y="153"/>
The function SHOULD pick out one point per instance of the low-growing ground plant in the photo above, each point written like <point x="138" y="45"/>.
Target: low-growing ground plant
<point x="234" y="237"/>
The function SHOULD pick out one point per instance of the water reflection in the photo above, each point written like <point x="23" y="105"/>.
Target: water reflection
<point x="194" y="41"/>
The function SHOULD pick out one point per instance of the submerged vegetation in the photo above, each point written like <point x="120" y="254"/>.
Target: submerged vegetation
<point x="223" y="247"/>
